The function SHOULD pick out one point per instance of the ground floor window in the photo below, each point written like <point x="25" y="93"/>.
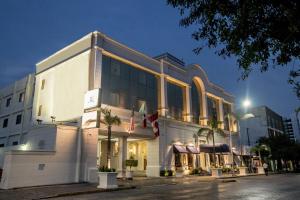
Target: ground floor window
<point x="177" y="160"/>
<point x="190" y="160"/>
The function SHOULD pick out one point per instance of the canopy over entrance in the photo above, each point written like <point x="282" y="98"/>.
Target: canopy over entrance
<point x="179" y="149"/>
<point x="192" y="149"/>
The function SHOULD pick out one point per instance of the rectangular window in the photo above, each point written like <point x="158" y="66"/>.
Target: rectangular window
<point x="123" y="84"/>
<point x="175" y="101"/>
<point x="15" y="143"/>
<point x="141" y="105"/>
<point x="1" y="145"/>
<point x="43" y="84"/>
<point x="212" y="108"/>
<point x="19" y="119"/>
<point x="5" y="123"/>
<point x="115" y="99"/>
<point x="21" y="97"/>
<point x="40" y="110"/>
<point x="115" y="68"/>
<point x="8" y="101"/>
<point x="142" y="78"/>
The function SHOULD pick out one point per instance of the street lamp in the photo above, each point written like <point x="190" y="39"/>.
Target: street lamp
<point x="246" y="103"/>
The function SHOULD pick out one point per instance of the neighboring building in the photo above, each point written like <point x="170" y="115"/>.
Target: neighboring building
<point x="123" y="78"/>
<point x="16" y="111"/>
<point x="288" y="128"/>
<point x="264" y="122"/>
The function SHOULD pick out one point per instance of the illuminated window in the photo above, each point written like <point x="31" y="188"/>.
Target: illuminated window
<point x="43" y="84"/>
<point x="40" y="110"/>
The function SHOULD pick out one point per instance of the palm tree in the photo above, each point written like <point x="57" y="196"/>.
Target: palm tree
<point x="213" y="127"/>
<point x="109" y="121"/>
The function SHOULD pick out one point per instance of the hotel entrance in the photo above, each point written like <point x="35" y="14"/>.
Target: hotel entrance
<point x="122" y="150"/>
<point x="137" y="150"/>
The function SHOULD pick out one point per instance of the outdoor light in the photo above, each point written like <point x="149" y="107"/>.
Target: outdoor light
<point x="247" y="103"/>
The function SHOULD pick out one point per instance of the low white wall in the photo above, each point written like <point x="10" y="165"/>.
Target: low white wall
<point x="42" y="167"/>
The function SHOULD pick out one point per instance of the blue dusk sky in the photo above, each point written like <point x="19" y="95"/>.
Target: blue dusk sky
<point x="31" y="30"/>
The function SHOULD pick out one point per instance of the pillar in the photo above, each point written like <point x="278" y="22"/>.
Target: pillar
<point x="220" y="113"/>
<point x="122" y="157"/>
<point x="163" y="96"/>
<point x="188" y="104"/>
<point x="204" y="117"/>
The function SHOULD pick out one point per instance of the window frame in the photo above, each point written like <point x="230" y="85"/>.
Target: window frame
<point x="18" y="119"/>
<point x="6" y="124"/>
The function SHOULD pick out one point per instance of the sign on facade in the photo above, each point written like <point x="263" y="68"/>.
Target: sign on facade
<point x="90" y="120"/>
<point x="92" y="99"/>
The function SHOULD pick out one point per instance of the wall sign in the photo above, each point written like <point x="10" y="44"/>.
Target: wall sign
<point x="92" y="99"/>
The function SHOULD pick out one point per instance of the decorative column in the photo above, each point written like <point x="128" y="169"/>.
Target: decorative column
<point x="95" y="67"/>
<point x="221" y="113"/>
<point x="188" y="103"/>
<point x="162" y="92"/>
<point x="122" y="157"/>
<point x="204" y="117"/>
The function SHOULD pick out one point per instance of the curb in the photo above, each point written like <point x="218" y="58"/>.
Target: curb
<point x="86" y="192"/>
<point x="231" y="177"/>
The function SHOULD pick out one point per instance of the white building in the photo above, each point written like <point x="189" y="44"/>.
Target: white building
<point x="59" y="150"/>
<point x="15" y="113"/>
<point x="262" y="122"/>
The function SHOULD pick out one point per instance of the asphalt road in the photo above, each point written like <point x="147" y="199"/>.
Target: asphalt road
<point x="249" y="188"/>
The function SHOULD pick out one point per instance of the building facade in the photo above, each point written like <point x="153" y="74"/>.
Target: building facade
<point x="124" y="80"/>
<point x="288" y="128"/>
<point x="263" y="122"/>
<point x="15" y="113"/>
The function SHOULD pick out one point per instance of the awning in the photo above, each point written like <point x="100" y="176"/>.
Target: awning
<point x="179" y="149"/>
<point x="192" y="149"/>
<point x="220" y="148"/>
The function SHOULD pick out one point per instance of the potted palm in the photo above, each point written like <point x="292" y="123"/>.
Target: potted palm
<point x="130" y="163"/>
<point x="107" y="175"/>
<point x="209" y="132"/>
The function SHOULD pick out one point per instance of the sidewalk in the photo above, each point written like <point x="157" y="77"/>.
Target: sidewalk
<point x="48" y="192"/>
<point x="51" y="191"/>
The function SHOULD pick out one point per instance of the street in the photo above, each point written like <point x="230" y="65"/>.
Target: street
<point x="248" y="188"/>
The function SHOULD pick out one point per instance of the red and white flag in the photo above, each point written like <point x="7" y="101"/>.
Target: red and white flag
<point x="154" y="122"/>
<point x="131" y="123"/>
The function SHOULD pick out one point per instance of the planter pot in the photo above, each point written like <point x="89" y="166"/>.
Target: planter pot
<point x="260" y="170"/>
<point x="129" y="175"/>
<point x="216" y="172"/>
<point x="243" y="171"/>
<point x="107" y="180"/>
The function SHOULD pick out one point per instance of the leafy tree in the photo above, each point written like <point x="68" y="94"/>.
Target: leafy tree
<point x="281" y="148"/>
<point x="209" y="132"/>
<point x="109" y="121"/>
<point x="258" y="33"/>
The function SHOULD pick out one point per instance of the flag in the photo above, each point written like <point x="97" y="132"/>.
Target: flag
<point x="143" y="110"/>
<point x="153" y="119"/>
<point x="131" y="123"/>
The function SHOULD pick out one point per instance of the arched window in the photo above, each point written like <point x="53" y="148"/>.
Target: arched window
<point x="196" y="102"/>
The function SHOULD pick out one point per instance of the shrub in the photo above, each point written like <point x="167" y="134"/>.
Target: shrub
<point x="106" y="169"/>
<point x="131" y="163"/>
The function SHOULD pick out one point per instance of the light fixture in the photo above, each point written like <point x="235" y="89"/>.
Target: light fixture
<point x="246" y="103"/>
